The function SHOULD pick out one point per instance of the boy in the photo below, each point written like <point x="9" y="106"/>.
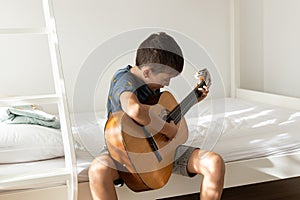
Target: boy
<point x="158" y="60"/>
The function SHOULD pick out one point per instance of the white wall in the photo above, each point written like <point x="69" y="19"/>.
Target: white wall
<point x="270" y="46"/>
<point x="24" y="60"/>
<point x="251" y="44"/>
<point x="84" y="25"/>
<point x="282" y="46"/>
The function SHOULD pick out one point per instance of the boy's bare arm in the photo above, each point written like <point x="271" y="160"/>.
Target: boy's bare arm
<point x="141" y="113"/>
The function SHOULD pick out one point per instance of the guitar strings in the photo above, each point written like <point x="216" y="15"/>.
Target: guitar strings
<point x="184" y="106"/>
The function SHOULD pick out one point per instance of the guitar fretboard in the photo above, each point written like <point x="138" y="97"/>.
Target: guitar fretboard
<point x="181" y="109"/>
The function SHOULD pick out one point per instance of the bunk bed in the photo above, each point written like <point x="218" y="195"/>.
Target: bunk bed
<point x="27" y="171"/>
<point x="259" y="137"/>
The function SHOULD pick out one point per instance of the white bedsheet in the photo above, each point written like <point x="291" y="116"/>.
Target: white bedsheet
<point x="249" y="130"/>
<point x="234" y="128"/>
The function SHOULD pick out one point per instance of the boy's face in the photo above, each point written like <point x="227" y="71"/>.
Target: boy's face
<point x="159" y="80"/>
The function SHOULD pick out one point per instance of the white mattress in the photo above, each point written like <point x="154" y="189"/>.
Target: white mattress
<point x="234" y="128"/>
<point x="249" y="130"/>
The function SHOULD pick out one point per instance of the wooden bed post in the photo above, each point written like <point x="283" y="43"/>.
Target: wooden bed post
<point x="67" y="174"/>
<point x="70" y="157"/>
<point x="234" y="47"/>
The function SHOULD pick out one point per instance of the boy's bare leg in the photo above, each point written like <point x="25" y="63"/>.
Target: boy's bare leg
<point x="212" y="167"/>
<point x="102" y="174"/>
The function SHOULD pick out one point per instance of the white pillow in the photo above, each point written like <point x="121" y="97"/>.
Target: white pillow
<point x="88" y="131"/>
<point x="24" y="143"/>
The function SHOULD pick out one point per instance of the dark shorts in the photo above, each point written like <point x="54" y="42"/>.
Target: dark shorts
<point x="182" y="156"/>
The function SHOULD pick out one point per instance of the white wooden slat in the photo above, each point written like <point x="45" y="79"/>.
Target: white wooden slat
<point x="35" y="179"/>
<point x="70" y="157"/>
<point x="45" y="193"/>
<point x="10" y="31"/>
<point x="29" y="100"/>
<point x="68" y="174"/>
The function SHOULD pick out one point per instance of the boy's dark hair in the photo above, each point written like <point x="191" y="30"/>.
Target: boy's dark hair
<point x="157" y="50"/>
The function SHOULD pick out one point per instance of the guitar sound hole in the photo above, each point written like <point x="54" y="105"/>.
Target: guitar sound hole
<point x="164" y="114"/>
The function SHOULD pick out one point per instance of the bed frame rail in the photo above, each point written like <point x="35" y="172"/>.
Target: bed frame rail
<point x="272" y="99"/>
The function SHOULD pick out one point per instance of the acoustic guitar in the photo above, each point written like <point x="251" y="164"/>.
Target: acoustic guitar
<point x="144" y="157"/>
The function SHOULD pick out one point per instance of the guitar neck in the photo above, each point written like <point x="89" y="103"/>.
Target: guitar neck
<point x="181" y="109"/>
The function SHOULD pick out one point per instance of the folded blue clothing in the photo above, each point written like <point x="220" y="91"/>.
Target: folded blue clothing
<point x="30" y="112"/>
<point x="29" y="115"/>
<point x="18" y="119"/>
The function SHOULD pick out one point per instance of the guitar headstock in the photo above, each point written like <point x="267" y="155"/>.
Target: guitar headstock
<point x="204" y="76"/>
<point x="205" y="80"/>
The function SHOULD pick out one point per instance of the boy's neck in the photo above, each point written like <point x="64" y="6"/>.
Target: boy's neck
<point x="137" y="72"/>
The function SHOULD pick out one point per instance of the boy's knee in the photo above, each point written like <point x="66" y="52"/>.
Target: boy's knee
<point x="98" y="167"/>
<point x="102" y="169"/>
<point x="216" y="164"/>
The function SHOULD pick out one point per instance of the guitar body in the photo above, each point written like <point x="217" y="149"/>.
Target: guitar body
<point x="138" y="164"/>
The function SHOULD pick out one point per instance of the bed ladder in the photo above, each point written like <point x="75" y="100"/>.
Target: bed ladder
<point x="68" y="173"/>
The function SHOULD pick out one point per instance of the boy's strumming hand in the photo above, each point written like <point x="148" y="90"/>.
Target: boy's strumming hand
<point x="172" y="130"/>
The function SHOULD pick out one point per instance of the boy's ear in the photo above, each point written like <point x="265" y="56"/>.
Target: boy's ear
<point x="146" y="72"/>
